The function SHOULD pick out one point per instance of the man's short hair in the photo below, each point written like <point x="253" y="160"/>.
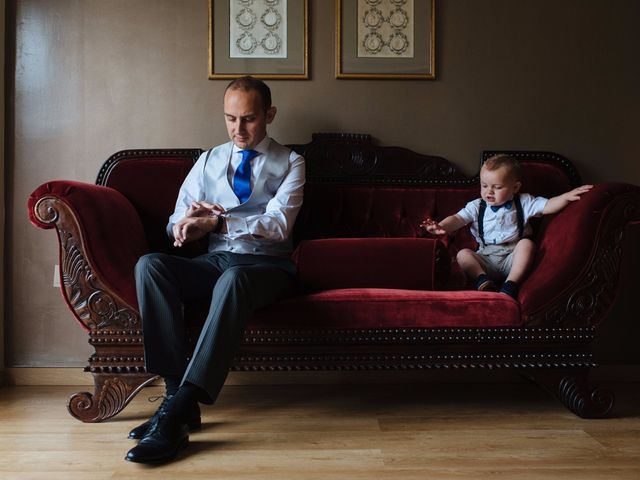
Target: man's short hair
<point x="248" y="83"/>
<point x="500" y="160"/>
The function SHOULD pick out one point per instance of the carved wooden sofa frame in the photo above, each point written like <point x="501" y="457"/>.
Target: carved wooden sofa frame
<point x="552" y="346"/>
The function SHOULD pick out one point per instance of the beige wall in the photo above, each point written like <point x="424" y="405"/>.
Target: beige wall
<point x="96" y="76"/>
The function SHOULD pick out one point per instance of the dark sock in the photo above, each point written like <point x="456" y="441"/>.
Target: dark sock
<point x="511" y="289"/>
<point x="185" y="400"/>
<point x="172" y="383"/>
<point x="480" y="280"/>
<point x="191" y="391"/>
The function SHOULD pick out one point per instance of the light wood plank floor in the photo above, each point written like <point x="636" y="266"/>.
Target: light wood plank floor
<point x="434" y="431"/>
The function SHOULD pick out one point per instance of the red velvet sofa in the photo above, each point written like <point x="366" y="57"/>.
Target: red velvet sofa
<point x="373" y="294"/>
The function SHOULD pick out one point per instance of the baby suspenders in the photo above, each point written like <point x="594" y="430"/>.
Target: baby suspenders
<point x="519" y="217"/>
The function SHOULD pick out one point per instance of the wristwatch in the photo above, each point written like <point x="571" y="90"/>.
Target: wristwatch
<point x="219" y="223"/>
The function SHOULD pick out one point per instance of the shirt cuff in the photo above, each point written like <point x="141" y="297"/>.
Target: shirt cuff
<point x="236" y="226"/>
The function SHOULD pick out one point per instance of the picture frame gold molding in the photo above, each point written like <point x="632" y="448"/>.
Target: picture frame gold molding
<point x="263" y="68"/>
<point x="341" y="73"/>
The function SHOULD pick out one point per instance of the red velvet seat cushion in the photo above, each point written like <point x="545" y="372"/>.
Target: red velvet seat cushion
<point x="404" y="263"/>
<point x="356" y="308"/>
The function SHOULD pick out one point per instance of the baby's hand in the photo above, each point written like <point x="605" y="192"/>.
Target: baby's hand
<point x="574" y="194"/>
<point x="433" y="227"/>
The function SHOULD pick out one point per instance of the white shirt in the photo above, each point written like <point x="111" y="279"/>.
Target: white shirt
<point x="263" y="224"/>
<point x="502" y="226"/>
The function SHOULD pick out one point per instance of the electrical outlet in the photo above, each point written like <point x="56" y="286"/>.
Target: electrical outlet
<point x="56" y="276"/>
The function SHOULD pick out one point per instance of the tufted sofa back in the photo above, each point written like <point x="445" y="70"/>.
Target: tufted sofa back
<point x="150" y="180"/>
<point x="354" y="189"/>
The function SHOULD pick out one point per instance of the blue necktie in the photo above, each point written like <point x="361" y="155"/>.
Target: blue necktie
<point x="242" y="177"/>
<point x="506" y="205"/>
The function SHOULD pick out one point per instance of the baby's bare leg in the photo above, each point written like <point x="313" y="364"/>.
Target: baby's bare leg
<point x="469" y="263"/>
<point x="522" y="259"/>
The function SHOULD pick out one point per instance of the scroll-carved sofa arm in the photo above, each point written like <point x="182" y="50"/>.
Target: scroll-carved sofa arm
<point x="100" y="238"/>
<point x="577" y="267"/>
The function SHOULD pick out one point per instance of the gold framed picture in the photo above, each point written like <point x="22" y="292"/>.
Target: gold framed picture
<point x="262" y="38"/>
<point x="389" y="39"/>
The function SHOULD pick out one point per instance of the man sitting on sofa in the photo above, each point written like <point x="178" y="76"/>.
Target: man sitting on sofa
<point x="245" y="195"/>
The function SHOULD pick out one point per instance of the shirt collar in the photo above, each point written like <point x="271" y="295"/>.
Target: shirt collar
<point x="262" y="147"/>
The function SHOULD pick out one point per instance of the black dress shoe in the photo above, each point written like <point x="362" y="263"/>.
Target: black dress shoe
<point x="162" y="442"/>
<point x="193" y="421"/>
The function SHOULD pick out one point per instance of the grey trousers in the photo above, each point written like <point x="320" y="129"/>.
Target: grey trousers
<point x="237" y="284"/>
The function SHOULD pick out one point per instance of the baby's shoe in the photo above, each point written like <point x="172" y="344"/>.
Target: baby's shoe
<point x="485" y="284"/>
<point x="511" y="289"/>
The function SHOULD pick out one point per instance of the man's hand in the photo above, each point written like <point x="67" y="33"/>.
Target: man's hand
<point x="200" y="219"/>
<point x="433" y="227"/>
<point x="191" y="228"/>
<point x="204" y="209"/>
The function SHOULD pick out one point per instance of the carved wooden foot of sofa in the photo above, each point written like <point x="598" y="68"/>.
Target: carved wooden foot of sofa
<point x="572" y="388"/>
<point x="118" y="374"/>
<point x="112" y="393"/>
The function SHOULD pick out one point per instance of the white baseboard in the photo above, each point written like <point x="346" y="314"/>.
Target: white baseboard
<point x="31" y="376"/>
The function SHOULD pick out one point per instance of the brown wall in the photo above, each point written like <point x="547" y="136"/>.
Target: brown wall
<point x="96" y="76"/>
<point x="2" y="199"/>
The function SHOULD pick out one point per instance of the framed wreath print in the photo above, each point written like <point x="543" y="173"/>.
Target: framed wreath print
<point x="263" y="38"/>
<point x="385" y="39"/>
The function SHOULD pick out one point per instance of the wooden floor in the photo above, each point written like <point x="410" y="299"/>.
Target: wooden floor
<point x="427" y="431"/>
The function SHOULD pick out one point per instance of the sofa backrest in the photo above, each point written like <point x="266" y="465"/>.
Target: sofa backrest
<point x="353" y="189"/>
<point x="150" y="179"/>
<point x="356" y="189"/>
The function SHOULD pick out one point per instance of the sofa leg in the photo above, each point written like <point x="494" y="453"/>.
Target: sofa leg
<point x="573" y="390"/>
<point x="112" y="393"/>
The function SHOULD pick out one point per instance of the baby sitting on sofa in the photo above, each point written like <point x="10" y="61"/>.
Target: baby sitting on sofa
<point x="499" y="223"/>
